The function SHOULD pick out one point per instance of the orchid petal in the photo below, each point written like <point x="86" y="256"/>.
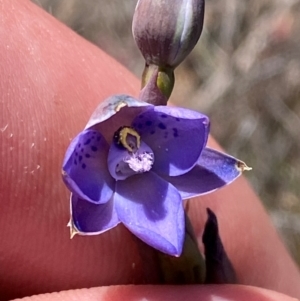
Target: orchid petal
<point x="177" y="137"/>
<point x="212" y="171"/>
<point x="152" y="210"/>
<point x="85" y="168"/>
<point x="92" y="219"/>
<point x="114" y="112"/>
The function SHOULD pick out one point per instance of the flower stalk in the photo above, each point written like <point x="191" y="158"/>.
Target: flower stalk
<point x="189" y="267"/>
<point x="157" y="85"/>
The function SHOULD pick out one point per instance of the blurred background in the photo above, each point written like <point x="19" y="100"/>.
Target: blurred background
<point x="244" y="73"/>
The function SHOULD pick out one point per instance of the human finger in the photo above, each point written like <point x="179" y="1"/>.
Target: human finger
<point x="51" y="81"/>
<point x="163" y="293"/>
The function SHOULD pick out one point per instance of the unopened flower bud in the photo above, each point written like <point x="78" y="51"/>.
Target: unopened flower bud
<point x="166" y="31"/>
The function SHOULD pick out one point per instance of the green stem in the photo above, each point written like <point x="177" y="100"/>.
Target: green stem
<point x="157" y="84"/>
<point x="189" y="267"/>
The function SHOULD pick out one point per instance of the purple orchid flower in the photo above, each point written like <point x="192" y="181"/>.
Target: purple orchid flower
<point x="134" y="163"/>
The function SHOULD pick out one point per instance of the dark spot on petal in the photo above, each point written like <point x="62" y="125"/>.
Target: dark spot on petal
<point x="148" y="122"/>
<point x="87" y="155"/>
<point x="177" y="119"/>
<point x="94" y="148"/>
<point x="82" y="149"/>
<point x="87" y="142"/>
<point x="83" y="166"/>
<point x="76" y="154"/>
<point x="162" y="126"/>
<point x="152" y="132"/>
<point x="141" y="116"/>
<point x="175" y="132"/>
<point x="75" y="162"/>
<point x="80" y="158"/>
<point x="164" y="116"/>
<point x="79" y="145"/>
<point x="98" y="138"/>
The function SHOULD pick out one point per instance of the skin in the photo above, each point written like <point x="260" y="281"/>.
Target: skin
<point x="51" y="80"/>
